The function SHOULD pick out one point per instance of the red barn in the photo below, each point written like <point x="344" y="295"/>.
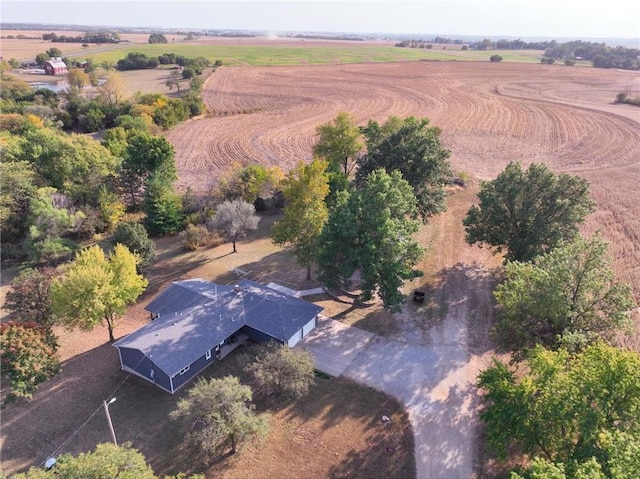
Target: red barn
<point x="55" y="66"/>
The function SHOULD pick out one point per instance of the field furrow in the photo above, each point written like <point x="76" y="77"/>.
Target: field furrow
<point x="490" y="114"/>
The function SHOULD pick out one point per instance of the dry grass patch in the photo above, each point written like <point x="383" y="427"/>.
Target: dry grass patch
<point x="335" y="431"/>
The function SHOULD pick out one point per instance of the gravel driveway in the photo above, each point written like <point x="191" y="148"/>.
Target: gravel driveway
<point x="433" y="373"/>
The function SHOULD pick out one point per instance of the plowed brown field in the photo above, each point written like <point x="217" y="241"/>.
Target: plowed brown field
<point x="490" y="114"/>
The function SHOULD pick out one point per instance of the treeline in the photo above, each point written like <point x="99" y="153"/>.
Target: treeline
<point x="140" y="61"/>
<point x="601" y="55"/>
<point x="88" y="37"/>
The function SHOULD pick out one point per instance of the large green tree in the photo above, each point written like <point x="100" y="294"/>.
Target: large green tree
<point x="17" y="188"/>
<point x="108" y="461"/>
<point x="233" y="220"/>
<point x="570" y="291"/>
<point x="528" y="212"/>
<point x="339" y="142"/>
<point x="219" y="410"/>
<point x="413" y="148"/>
<point x="282" y="371"/>
<point x="566" y="408"/>
<point x="305" y="211"/>
<point x="73" y="164"/>
<point x="146" y="156"/>
<point x="28" y="357"/>
<point x="371" y="231"/>
<point x="96" y="288"/>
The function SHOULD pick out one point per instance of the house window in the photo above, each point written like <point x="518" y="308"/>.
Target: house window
<point x="184" y="370"/>
<point x="208" y="355"/>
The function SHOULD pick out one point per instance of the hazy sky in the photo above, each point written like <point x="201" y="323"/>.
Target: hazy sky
<point x="495" y="18"/>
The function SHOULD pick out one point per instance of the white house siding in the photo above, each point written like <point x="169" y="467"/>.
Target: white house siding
<point x="293" y="340"/>
<point x="307" y="328"/>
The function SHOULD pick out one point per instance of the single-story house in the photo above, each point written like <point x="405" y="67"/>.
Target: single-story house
<point x="194" y="322"/>
<point x="55" y="66"/>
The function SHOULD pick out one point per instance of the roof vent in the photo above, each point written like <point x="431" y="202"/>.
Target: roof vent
<point x="237" y="289"/>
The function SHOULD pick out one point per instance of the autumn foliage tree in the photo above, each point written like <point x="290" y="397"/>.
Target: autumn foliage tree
<point x="29" y="300"/>
<point x="305" y="212"/>
<point x="97" y="288"/>
<point x="28" y="358"/>
<point x="339" y="142"/>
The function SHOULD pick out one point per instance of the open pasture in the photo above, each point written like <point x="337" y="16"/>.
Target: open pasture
<point x="490" y="114"/>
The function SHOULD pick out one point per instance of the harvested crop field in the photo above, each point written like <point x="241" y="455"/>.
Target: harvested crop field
<point x="490" y="114"/>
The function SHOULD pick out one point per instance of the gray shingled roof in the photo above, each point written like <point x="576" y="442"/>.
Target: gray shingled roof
<point x="197" y="314"/>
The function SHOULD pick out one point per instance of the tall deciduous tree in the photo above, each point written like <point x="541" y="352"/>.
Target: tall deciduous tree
<point x="146" y="156"/>
<point x="282" y="371"/>
<point x="339" y="142"/>
<point x="112" y="92"/>
<point x="234" y="219"/>
<point x="572" y="289"/>
<point x="28" y="358"/>
<point x="29" y="300"/>
<point x="16" y="190"/>
<point x="371" y="230"/>
<point x="413" y="148"/>
<point x="528" y="212"/>
<point x="97" y="288"/>
<point x="218" y="410"/>
<point x="566" y="406"/>
<point x="77" y="78"/>
<point x="305" y="213"/>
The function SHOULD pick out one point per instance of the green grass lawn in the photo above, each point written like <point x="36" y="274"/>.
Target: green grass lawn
<point x="234" y="55"/>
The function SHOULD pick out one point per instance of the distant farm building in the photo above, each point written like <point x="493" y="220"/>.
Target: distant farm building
<point x="55" y="66"/>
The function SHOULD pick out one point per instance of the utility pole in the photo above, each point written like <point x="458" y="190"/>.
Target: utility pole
<point x="106" y="411"/>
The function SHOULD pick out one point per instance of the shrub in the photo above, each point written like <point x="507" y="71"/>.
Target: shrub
<point x="495" y="58"/>
<point x="51" y="251"/>
<point x="281" y="371"/>
<point x="623" y="97"/>
<point x="197" y="236"/>
<point x="135" y="237"/>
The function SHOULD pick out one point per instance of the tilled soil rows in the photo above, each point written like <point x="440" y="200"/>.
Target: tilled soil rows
<point x="490" y="114"/>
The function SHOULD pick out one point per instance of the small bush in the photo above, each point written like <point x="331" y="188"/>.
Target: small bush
<point x="495" y="58"/>
<point x="570" y="62"/>
<point x="198" y="236"/>
<point x="623" y="97"/>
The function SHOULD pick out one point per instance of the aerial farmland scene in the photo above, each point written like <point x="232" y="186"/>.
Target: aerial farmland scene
<point x="314" y="239"/>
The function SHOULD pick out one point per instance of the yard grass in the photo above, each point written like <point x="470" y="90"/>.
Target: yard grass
<point x="336" y="431"/>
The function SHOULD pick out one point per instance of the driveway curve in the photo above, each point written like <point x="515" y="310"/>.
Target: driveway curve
<point x="433" y="373"/>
